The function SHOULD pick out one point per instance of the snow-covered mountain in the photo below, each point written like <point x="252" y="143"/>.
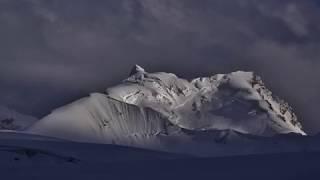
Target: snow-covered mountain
<point x="238" y="101"/>
<point x="13" y="120"/>
<point x="164" y="112"/>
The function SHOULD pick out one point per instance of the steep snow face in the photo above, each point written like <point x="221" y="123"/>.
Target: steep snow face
<point x="237" y="101"/>
<point x="13" y="120"/>
<point x="101" y="119"/>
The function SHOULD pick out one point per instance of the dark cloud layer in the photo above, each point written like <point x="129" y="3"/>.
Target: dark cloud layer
<point x="52" y="52"/>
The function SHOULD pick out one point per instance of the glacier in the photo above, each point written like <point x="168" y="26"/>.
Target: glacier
<point x="161" y="111"/>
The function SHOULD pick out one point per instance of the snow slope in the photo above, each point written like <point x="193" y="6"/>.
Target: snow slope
<point x="45" y="158"/>
<point x="163" y="112"/>
<point x="13" y="120"/>
<point x="17" y="146"/>
<point x="99" y="119"/>
<point x="284" y="166"/>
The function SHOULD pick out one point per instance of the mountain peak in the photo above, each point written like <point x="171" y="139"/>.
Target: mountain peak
<point x="238" y="101"/>
<point x="136" y="69"/>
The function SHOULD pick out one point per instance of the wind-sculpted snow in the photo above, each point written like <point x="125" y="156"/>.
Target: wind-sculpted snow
<point x="101" y="119"/>
<point x="163" y="112"/>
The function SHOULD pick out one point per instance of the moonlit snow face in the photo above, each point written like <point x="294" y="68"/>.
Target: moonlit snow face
<point x="237" y="101"/>
<point x="164" y="112"/>
<point x="100" y="119"/>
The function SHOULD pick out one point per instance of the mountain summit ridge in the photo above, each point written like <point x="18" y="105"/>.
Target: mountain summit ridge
<point x="170" y="95"/>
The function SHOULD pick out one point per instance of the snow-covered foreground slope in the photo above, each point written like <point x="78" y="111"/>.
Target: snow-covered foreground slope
<point x="163" y="112"/>
<point x="27" y="148"/>
<point x="13" y="120"/>
<point x="38" y="157"/>
<point x="289" y="166"/>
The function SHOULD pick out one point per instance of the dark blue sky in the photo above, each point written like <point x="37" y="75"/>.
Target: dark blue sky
<point x="52" y="52"/>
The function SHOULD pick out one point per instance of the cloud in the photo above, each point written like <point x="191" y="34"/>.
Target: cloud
<point x="56" y="51"/>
